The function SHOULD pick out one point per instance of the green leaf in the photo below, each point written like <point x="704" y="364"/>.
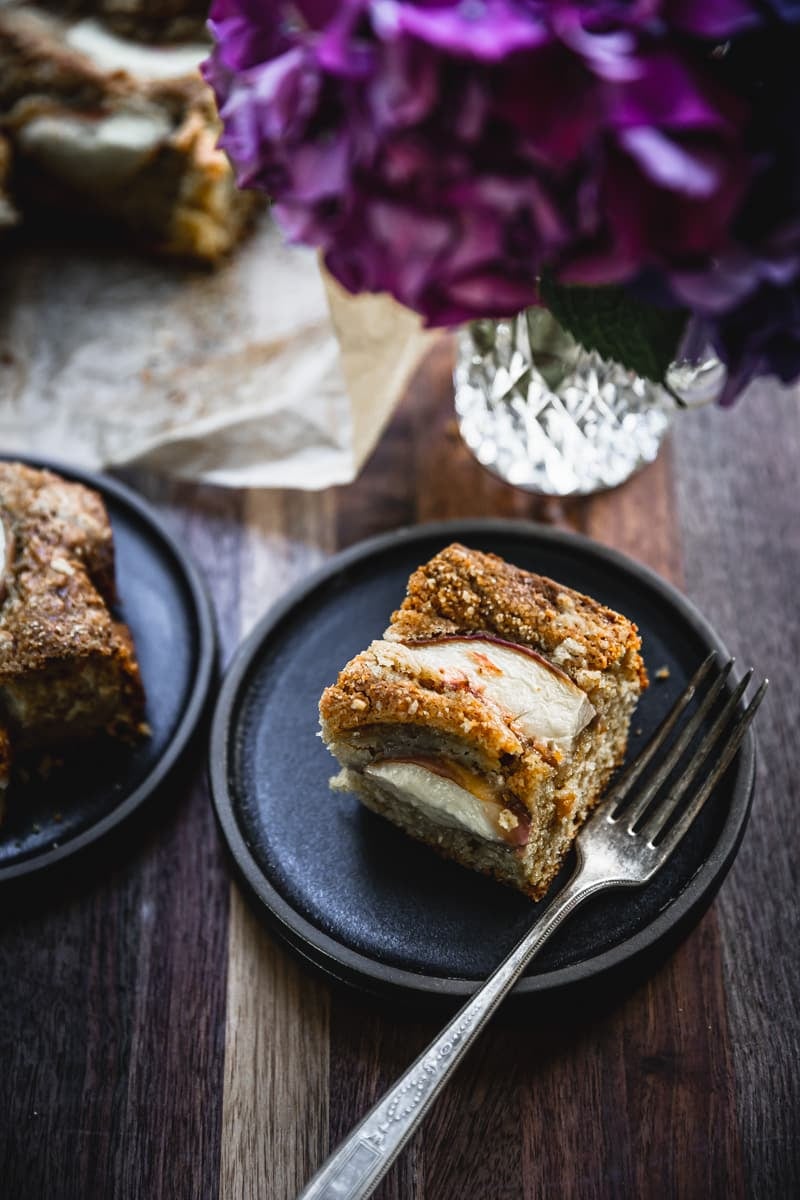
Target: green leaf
<point x="617" y="325"/>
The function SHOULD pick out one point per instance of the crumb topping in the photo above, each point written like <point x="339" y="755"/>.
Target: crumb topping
<point x="60" y="571"/>
<point x="467" y="591"/>
<point x="68" y="667"/>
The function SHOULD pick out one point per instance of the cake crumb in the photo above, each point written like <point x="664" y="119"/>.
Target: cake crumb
<point x="662" y="673"/>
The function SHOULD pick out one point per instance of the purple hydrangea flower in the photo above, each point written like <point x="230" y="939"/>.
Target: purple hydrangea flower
<point x="447" y="151"/>
<point x="748" y="293"/>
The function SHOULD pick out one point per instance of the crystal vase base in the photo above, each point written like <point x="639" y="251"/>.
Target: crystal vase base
<point x="545" y="415"/>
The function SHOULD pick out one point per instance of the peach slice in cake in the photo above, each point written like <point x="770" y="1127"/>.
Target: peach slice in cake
<point x="489" y="718"/>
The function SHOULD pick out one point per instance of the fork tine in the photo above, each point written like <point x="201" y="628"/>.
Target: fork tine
<point x="680" y="827"/>
<point x="676" y="750"/>
<point x="629" y="776"/>
<point x="662" y="812"/>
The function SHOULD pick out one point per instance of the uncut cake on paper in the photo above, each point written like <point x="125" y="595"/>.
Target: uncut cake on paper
<point x="489" y="718"/>
<point x="98" y="132"/>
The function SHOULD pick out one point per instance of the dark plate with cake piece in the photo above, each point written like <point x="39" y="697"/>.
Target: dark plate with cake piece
<point x="58" y="804"/>
<point x="357" y="897"/>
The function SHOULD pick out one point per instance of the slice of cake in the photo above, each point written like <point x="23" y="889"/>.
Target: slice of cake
<point x="68" y="669"/>
<point x="490" y="717"/>
<point x="105" y="132"/>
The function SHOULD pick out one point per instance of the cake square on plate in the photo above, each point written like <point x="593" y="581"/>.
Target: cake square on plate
<point x="489" y="718"/>
<point x="68" y="667"/>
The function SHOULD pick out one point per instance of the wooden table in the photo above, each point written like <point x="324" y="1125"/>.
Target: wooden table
<point x="156" y="1042"/>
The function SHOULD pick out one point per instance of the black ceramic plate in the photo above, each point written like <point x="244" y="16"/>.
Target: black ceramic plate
<point x="165" y="605"/>
<point x="352" y="893"/>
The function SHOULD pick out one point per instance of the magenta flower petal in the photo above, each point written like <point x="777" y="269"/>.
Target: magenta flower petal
<point x="668" y="164"/>
<point x="714" y="18"/>
<point x="612" y="55"/>
<point x="670" y="94"/>
<point x="406" y="89"/>
<point x="246" y="32"/>
<point x="484" y="29"/>
<point x="339" y="48"/>
<point x="317" y="13"/>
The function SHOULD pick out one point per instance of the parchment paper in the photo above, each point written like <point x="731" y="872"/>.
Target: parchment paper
<point x="260" y="374"/>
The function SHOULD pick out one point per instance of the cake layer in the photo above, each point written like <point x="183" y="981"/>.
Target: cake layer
<point x="536" y="698"/>
<point x="489" y="857"/>
<point x="440" y="797"/>
<point x="451" y="794"/>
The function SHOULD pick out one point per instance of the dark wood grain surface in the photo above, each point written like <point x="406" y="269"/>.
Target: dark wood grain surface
<point x="155" y="1041"/>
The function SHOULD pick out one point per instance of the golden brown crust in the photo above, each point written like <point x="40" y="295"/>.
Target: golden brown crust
<point x="67" y="667"/>
<point x="466" y="591"/>
<point x="61" y="569"/>
<point x="42" y="511"/>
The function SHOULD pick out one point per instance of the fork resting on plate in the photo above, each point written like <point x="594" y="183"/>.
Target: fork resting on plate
<point x="629" y="837"/>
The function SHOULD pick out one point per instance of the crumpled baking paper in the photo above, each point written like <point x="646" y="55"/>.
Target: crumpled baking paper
<point x="263" y="373"/>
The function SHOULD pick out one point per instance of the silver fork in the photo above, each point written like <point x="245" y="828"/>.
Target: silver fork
<point x="625" y="841"/>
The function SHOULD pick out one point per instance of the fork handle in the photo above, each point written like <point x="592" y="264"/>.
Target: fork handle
<point x="364" y="1157"/>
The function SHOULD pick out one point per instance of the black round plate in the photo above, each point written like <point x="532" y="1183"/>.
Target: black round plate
<point x="164" y="603"/>
<point x="354" y="894"/>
